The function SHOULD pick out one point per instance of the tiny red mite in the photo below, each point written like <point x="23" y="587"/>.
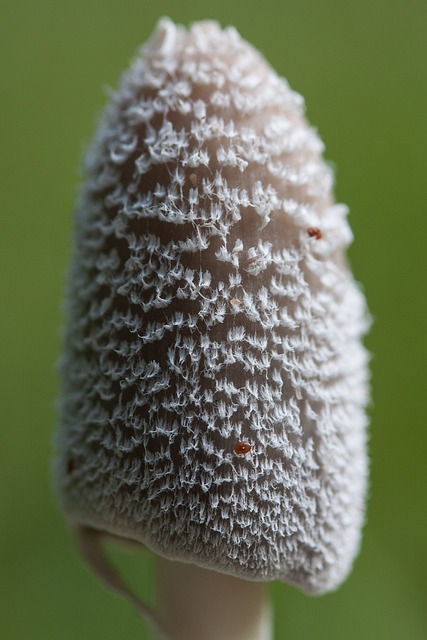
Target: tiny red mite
<point x="314" y="232"/>
<point x="242" y="448"/>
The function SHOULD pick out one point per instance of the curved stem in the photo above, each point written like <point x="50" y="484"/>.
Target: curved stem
<point x="197" y="604"/>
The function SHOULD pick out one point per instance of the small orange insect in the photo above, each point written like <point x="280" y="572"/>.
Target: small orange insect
<point x="71" y="465"/>
<point x="193" y="179"/>
<point x="314" y="232"/>
<point x="242" y="448"/>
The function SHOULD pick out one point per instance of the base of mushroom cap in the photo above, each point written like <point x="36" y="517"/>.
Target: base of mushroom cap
<point x="127" y="532"/>
<point x="192" y="603"/>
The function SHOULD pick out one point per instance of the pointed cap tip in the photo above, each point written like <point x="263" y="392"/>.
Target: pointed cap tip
<point x="164" y="37"/>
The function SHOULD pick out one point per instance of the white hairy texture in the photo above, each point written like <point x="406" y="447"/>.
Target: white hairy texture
<point x="204" y="310"/>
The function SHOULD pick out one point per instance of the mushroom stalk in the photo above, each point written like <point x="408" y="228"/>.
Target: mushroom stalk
<point x="199" y="604"/>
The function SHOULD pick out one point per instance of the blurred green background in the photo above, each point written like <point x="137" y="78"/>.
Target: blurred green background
<point x="362" y="69"/>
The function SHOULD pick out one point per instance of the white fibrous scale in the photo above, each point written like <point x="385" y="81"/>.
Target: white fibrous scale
<point x="214" y="383"/>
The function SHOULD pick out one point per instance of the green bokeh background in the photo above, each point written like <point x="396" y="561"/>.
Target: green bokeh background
<point x="362" y="69"/>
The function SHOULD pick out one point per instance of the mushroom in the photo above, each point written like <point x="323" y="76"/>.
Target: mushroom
<point x="213" y="378"/>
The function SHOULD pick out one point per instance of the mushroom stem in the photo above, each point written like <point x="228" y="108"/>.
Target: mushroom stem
<point x="198" y="604"/>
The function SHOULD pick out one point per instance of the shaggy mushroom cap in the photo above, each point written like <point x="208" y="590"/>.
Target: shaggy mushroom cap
<point x="213" y="379"/>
